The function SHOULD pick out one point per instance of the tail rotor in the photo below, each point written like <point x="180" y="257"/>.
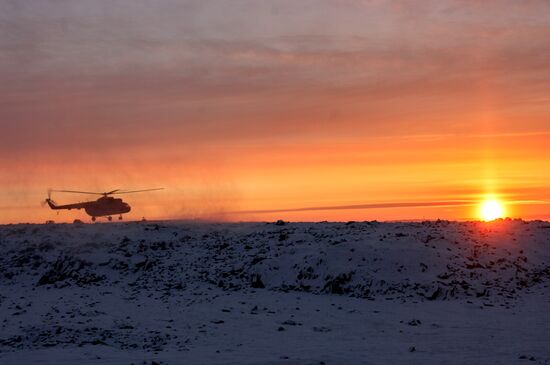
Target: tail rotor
<point x="48" y="199"/>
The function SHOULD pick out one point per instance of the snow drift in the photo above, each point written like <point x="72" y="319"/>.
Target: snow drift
<point x="55" y="278"/>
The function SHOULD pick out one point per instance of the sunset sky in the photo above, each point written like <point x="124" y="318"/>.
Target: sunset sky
<point x="255" y="110"/>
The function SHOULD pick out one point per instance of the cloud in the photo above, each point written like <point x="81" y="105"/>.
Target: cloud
<point x="362" y="206"/>
<point x="184" y="82"/>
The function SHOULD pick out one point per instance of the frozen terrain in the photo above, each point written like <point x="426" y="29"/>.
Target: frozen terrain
<point x="275" y="293"/>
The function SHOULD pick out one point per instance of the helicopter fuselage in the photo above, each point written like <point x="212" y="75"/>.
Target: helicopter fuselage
<point x="105" y="206"/>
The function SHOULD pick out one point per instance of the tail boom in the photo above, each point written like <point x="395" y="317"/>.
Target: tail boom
<point x="53" y="206"/>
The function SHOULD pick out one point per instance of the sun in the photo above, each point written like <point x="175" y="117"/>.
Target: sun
<point x="491" y="210"/>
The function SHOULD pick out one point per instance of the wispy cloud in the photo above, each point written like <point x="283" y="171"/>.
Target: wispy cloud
<point x="361" y="206"/>
<point x="424" y="89"/>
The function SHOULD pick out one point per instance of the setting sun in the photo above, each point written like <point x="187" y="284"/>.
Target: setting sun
<point x="491" y="210"/>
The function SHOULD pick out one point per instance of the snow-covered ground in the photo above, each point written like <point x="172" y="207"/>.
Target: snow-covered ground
<point x="265" y="293"/>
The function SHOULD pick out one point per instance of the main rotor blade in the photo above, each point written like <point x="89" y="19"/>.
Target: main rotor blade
<point x="137" y="191"/>
<point x="76" y="192"/>
<point x="111" y="192"/>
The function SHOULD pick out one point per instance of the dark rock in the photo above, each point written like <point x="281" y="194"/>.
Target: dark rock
<point x="290" y="322"/>
<point x="257" y="259"/>
<point x="64" y="268"/>
<point x="256" y="282"/>
<point x="321" y="329"/>
<point x="428" y="238"/>
<point x="335" y="286"/>
<point x="436" y="294"/>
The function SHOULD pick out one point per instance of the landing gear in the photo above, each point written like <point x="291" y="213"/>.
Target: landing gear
<point x="110" y="218"/>
<point x="93" y="219"/>
<point x="120" y="217"/>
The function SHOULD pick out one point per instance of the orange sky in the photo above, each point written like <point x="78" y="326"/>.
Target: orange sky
<point x="245" y="106"/>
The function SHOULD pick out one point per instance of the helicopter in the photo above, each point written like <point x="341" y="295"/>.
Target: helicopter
<point x="105" y="206"/>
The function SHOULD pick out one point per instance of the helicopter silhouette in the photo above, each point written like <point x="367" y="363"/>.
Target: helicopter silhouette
<point x="105" y="206"/>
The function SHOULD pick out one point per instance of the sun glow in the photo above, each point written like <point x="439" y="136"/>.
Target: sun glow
<point x="491" y="210"/>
